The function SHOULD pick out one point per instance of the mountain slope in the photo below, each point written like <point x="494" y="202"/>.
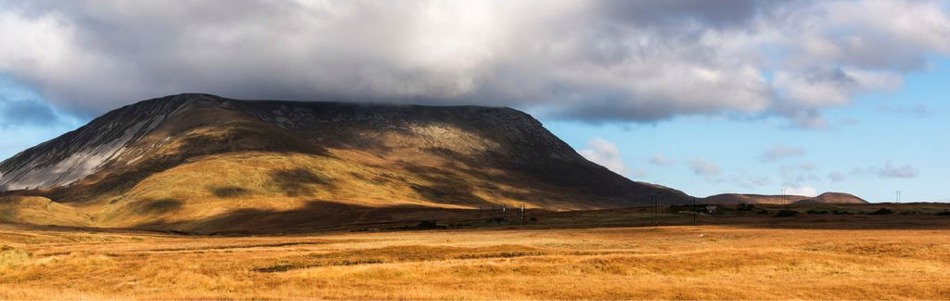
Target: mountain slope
<point x="14" y="209"/>
<point x="188" y="159"/>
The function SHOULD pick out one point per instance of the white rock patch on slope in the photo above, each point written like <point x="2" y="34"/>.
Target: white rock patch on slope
<point x="85" y="162"/>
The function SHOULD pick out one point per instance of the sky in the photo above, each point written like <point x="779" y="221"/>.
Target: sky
<point x="770" y="97"/>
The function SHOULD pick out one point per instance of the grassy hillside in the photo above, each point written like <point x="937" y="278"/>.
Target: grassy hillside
<point x="251" y="190"/>
<point x="40" y="210"/>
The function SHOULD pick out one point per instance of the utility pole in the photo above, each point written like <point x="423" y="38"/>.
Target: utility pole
<point x="898" y="196"/>
<point x="694" y="211"/>
<point x="656" y="199"/>
<point x="523" y="221"/>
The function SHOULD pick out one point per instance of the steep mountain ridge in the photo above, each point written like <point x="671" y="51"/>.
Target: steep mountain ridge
<point x="186" y="159"/>
<point x="80" y="153"/>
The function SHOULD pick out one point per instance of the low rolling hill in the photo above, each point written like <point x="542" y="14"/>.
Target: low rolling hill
<point x="751" y="199"/>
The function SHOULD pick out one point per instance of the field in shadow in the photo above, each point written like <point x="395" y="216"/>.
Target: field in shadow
<point x="321" y="216"/>
<point x="327" y="215"/>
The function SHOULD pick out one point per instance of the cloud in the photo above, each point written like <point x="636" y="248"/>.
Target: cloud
<point x="780" y="152"/>
<point x="639" y="173"/>
<point x="888" y="171"/>
<point x="919" y="110"/>
<point x="606" y="154"/>
<point x="903" y="171"/>
<point x="797" y="175"/>
<point x="596" y="61"/>
<point x="661" y="160"/>
<point x="836" y="177"/>
<point x="801" y="190"/>
<point x="704" y="168"/>
<point x="752" y="182"/>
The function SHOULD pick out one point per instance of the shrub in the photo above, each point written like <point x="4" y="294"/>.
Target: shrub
<point x="787" y="213"/>
<point x="944" y="213"/>
<point x="744" y="207"/>
<point x="429" y="225"/>
<point x="10" y="256"/>
<point x="882" y="211"/>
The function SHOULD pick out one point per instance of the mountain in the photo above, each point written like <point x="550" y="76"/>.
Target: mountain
<point x="735" y="199"/>
<point x="825" y="198"/>
<point x="198" y="161"/>
<point x="833" y="198"/>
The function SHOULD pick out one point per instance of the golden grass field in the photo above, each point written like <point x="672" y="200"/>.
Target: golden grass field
<point x="762" y="259"/>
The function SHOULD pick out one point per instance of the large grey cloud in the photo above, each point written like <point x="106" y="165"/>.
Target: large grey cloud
<point x="640" y="61"/>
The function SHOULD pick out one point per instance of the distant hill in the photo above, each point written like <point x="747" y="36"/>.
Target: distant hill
<point x="198" y="161"/>
<point x="833" y="198"/>
<point x="825" y="198"/>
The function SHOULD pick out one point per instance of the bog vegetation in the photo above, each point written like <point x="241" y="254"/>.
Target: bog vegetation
<point x="820" y="256"/>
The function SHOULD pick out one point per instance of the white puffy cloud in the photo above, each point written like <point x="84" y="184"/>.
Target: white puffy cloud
<point x="607" y="154"/>
<point x="661" y="160"/>
<point x="801" y="190"/>
<point x="640" y="61"/>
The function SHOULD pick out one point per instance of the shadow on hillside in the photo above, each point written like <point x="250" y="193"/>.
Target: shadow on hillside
<point x="574" y="181"/>
<point x="160" y="206"/>
<point x="226" y="192"/>
<point x="8" y="209"/>
<point x="316" y="216"/>
<point x="298" y="181"/>
<point x="444" y="188"/>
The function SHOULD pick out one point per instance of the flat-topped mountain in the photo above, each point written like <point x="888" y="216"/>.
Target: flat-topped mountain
<point x="201" y="161"/>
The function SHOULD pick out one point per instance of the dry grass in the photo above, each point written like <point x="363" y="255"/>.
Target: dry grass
<point x="674" y="262"/>
<point x="14" y="209"/>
